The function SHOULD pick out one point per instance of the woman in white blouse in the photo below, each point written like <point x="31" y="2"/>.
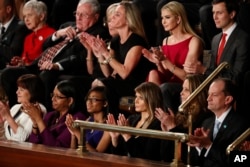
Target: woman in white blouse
<point x="16" y="121"/>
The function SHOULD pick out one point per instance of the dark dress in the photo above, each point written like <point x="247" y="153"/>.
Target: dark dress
<point x="140" y="147"/>
<point x="119" y="87"/>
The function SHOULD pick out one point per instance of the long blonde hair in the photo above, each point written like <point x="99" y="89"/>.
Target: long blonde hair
<point x="133" y="17"/>
<point x="178" y="9"/>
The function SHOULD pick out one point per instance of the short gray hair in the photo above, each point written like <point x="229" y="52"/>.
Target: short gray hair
<point x="38" y="6"/>
<point x="96" y="7"/>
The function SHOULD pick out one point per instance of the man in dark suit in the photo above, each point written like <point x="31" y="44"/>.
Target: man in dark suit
<point x="219" y="131"/>
<point x="11" y="41"/>
<point x="70" y="59"/>
<point x="236" y="49"/>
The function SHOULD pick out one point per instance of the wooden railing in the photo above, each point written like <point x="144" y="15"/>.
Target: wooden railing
<point x="23" y="154"/>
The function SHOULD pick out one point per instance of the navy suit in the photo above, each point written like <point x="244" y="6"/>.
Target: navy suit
<point x="231" y="128"/>
<point x="12" y="41"/>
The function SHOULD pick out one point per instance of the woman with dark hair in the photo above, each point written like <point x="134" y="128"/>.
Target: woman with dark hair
<point x="97" y="107"/>
<point x="148" y="97"/>
<point x="17" y="123"/>
<point x="52" y="130"/>
<point x="179" y="121"/>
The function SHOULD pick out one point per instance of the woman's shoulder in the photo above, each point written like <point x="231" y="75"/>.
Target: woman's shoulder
<point x="155" y="124"/>
<point x="137" y="40"/>
<point x="15" y="108"/>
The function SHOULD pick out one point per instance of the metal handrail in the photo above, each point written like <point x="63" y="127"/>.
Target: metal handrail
<point x="203" y="85"/>
<point x="177" y="137"/>
<point x="238" y="141"/>
<point x="194" y="94"/>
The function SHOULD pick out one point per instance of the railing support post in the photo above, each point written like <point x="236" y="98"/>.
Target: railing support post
<point x="82" y="144"/>
<point x="177" y="155"/>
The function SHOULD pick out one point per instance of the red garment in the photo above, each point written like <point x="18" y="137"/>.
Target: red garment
<point x="33" y="44"/>
<point x="176" y="54"/>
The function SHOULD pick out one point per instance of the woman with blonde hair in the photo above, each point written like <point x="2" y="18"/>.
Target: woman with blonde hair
<point x="182" y="46"/>
<point x="124" y="62"/>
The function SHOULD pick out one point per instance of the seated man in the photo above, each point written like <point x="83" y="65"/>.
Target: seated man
<point x="220" y="130"/>
<point x="68" y="59"/>
<point x="12" y="33"/>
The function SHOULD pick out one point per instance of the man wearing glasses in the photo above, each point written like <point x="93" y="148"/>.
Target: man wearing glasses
<point x="63" y="52"/>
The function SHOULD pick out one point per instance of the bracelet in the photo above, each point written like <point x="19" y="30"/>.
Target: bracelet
<point x="106" y="61"/>
<point x="109" y="59"/>
<point x="173" y="68"/>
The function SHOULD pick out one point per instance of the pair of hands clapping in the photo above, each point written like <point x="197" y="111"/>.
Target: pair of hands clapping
<point x="121" y="121"/>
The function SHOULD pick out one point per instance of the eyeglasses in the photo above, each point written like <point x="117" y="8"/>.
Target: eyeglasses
<point x="94" y="100"/>
<point x="82" y="15"/>
<point x="57" y="96"/>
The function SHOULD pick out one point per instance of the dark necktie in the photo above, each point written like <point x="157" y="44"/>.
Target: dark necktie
<point x="221" y="48"/>
<point x="50" y="53"/>
<point x="2" y="32"/>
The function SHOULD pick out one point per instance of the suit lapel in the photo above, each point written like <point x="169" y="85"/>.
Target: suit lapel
<point x="224" y="126"/>
<point x="229" y="44"/>
<point x="217" y="39"/>
<point x="11" y="27"/>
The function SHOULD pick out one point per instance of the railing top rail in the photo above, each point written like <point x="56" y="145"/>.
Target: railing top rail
<point x="182" y="137"/>
<point x="238" y="141"/>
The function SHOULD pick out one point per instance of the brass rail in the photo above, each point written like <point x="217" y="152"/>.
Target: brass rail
<point x="177" y="137"/>
<point x="204" y="84"/>
<point x="194" y="94"/>
<point x="238" y="141"/>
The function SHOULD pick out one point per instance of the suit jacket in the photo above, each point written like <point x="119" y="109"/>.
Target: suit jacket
<point x="12" y="41"/>
<point x="73" y="56"/>
<point x="231" y="128"/>
<point x="236" y="53"/>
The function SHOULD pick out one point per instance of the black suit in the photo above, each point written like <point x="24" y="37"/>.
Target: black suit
<point x="12" y="41"/>
<point x="231" y="128"/>
<point x="71" y="57"/>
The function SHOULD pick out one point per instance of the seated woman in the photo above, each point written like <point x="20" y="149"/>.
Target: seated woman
<point x="128" y="67"/>
<point x="52" y="130"/>
<point x="183" y="46"/>
<point x="97" y="106"/>
<point x="179" y="122"/>
<point x="148" y="98"/>
<point x="34" y="17"/>
<point x="17" y="123"/>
